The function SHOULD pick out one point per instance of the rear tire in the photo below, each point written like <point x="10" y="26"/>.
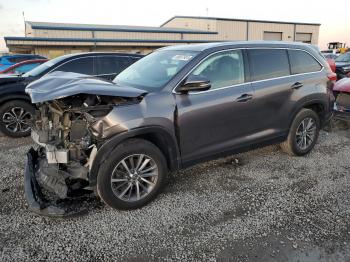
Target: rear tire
<point x="15" y="117"/>
<point x="126" y="182"/>
<point x="303" y="133"/>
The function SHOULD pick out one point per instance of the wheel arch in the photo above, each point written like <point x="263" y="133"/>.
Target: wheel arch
<point x="7" y="98"/>
<point x="160" y="137"/>
<point x="317" y="105"/>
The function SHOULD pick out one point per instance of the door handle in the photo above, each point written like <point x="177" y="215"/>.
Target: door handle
<point x="244" y="98"/>
<point x="297" y="85"/>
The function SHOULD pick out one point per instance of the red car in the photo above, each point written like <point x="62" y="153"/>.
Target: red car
<point x="23" y="67"/>
<point x="341" y="91"/>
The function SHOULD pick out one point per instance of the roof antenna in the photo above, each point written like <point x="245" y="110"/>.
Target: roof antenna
<point x="207" y="10"/>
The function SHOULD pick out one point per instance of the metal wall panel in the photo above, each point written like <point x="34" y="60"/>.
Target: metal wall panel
<point x="257" y="29"/>
<point x="192" y="23"/>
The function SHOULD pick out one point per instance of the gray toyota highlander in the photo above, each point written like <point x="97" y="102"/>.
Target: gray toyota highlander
<point x="176" y="107"/>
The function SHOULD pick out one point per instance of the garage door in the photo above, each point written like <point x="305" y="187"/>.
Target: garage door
<point x="303" y="37"/>
<point x="273" y="36"/>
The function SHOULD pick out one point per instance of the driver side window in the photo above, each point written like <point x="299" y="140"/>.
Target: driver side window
<point x="222" y="69"/>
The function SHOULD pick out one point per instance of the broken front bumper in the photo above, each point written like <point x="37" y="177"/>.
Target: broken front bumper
<point x="33" y="194"/>
<point x="341" y="113"/>
<point x="77" y="202"/>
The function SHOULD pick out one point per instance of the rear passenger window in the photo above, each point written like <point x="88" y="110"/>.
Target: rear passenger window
<point x="112" y="64"/>
<point x="222" y="69"/>
<point x="302" y="62"/>
<point x="80" y="65"/>
<point x="268" y="63"/>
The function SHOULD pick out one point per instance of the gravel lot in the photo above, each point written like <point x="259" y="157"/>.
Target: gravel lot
<point x="267" y="207"/>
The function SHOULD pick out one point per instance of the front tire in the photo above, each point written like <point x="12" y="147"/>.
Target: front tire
<point x="133" y="175"/>
<point x="303" y="133"/>
<point x="15" y="118"/>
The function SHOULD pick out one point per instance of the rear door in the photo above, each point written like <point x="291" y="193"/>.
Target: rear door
<point x="273" y="90"/>
<point x="81" y="65"/>
<point x="214" y="121"/>
<point x="109" y="67"/>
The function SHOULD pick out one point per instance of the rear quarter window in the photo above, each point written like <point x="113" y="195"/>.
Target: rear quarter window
<point x="302" y="62"/>
<point x="268" y="63"/>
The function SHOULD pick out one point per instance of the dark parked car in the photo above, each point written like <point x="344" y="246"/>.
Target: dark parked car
<point x="342" y="63"/>
<point x="8" y="60"/>
<point x="23" y="67"/>
<point x="15" y="106"/>
<point x="175" y="107"/>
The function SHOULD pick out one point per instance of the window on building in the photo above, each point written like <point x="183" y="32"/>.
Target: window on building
<point x="268" y="63"/>
<point x="302" y="62"/>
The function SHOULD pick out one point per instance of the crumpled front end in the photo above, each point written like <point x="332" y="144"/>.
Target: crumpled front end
<point x="68" y="132"/>
<point x="342" y="103"/>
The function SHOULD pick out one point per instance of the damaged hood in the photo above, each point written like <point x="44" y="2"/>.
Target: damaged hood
<point x="62" y="84"/>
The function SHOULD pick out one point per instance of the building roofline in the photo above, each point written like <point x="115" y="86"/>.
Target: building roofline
<point x="241" y="20"/>
<point x="119" y="29"/>
<point x="20" y="38"/>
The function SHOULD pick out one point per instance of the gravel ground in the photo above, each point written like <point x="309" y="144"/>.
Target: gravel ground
<point x="266" y="206"/>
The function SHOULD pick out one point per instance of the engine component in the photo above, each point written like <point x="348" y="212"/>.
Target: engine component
<point x="77" y="171"/>
<point x="78" y="130"/>
<point x="56" y="156"/>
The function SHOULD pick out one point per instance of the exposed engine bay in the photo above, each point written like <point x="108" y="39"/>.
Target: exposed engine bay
<point x="69" y="132"/>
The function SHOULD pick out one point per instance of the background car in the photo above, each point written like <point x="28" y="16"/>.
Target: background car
<point x="342" y="63"/>
<point x="16" y="109"/>
<point x="23" y="67"/>
<point x="331" y="63"/>
<point x="9" y="60"/>
<point x="330" y="56"/>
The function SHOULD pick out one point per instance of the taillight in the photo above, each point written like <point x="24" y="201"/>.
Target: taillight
<point x="331" y="63"/>
<point x="332" y="76"/>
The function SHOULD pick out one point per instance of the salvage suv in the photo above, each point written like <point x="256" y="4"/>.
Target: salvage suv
<point x="178" y="106"/>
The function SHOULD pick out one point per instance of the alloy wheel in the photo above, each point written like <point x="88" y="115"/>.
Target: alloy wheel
<point x="134" y="177"/>
<point x="306" y="133"/>
<point x="17" y="120"/>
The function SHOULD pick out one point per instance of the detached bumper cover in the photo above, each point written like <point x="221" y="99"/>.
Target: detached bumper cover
<point x="33" y="194"/>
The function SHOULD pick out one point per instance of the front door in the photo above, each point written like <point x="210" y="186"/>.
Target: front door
<point x="214" y="121"/>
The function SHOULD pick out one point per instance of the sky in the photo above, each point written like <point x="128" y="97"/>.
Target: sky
<point x="335" y="21"/>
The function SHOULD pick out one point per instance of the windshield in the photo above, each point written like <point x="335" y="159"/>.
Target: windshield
<point x="155" y="70"/>
<point x="343" y="58"/>
<point x="43" y="67"/>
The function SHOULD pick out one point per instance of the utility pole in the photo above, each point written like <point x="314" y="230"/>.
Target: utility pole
<point x="24" y="21"/>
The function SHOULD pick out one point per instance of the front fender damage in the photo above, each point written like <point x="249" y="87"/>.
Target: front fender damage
<point x="74" y="118"/>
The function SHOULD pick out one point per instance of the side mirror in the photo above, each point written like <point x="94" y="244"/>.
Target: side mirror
<point x="194" y="83"/>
